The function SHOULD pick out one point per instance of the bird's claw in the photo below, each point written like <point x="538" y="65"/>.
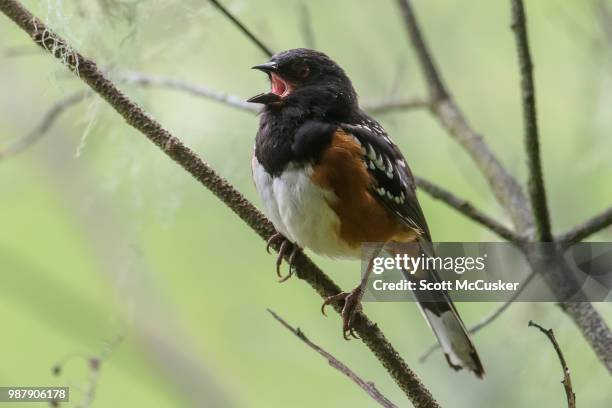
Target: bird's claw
<point x="272" y="240"/>
<point x="284" y="248"/>
<point x="352" y="305"/>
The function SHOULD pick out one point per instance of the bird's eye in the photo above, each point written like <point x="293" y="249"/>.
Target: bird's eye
<point x="303" y="72"/>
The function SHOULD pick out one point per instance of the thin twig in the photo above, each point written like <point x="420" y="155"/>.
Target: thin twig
<point x="536" y="187"/>
<point x="488" y="319"/>
<point x="242" y="28"/>
<point x="394" y="104"/>
<point x="189" y="87"/>
<point x="368" y="387"/>
<point x="88" y="72"/>
<point x="589" y="227"/>
<point x="467" y="209"/>
<point x="567" y="381"/>
<point x="505" y="187"/>
<point x="43" y="126"/>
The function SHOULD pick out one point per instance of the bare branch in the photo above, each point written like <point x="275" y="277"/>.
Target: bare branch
<point x="372" y="106"/>
<point x="593" y="327"/>
<point x="567" y="381"/>
<point x="505" y="187"/>
<point x="394" y="104"/>
<point x="435" y="83"/>
<point x="467" y="209"/>
<point x="242" y="28"/>
<point x="589" y="227"/>
<point x="191" y="88"/>
<point x="43" y="126"/>
<point x="488" y="319"/>
<point x="536" y="187"/>
<point x="88" y="72"/>
<point x="368" y="387"/>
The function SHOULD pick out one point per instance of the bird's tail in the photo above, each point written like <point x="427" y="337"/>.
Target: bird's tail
<point x="442" y="317"/>
<point x="450" y="331"/>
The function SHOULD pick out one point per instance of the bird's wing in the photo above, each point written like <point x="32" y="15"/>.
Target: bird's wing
<point x="395" y="186"/>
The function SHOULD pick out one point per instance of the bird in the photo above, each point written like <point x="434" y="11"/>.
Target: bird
<point x="330" y="179"/>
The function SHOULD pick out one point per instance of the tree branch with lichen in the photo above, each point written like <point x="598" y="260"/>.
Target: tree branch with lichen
<point x="133" y="114"/>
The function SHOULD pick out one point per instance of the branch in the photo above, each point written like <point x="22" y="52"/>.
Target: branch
<point x="197" y="90"/>
<point x="487" y="319"/>
<point x="368" y="387"/>
<point x="242" y="28"/>
<point x="567" y="381"/>
<point x="435" y="83"/>
<point x="505" y="187"/>
<point x="589" y="227"/>
<point x="88" y="72"/>
<point x="536" y="187"/>
<point x="593" y="327"/>
<point x="191" y="88"/>
<point x="394" y="104"/>
<point x="467" y="209"/>
<point x="43" y="126"/>
<point x="373" y="106"/>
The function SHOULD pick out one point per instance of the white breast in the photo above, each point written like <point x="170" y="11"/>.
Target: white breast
<point x="300" y="210"/>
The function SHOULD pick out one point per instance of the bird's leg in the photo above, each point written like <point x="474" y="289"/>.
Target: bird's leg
<point x="286" y="247"/>
<point x="352" y="299"/>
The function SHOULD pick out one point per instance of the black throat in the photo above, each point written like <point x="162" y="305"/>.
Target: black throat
<point x="289" y="134"/>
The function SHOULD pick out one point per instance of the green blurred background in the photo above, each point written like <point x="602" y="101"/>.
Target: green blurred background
<point x="103" y="236"/>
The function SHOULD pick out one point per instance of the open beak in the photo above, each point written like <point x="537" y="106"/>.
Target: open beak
<point x="279" y="87"/>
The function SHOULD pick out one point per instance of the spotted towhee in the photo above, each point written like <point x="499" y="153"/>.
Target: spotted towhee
<point x="331" y="179"/>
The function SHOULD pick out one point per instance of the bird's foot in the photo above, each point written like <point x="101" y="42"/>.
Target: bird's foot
<point x="286" y="247"/>
<point x="352" y="305"/>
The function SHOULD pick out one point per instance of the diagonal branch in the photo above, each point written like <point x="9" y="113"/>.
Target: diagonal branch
<point x="43" y="126"/>
<point x="536" y="187"/>
<point x="242" y="28"/>
<point x="88" y="72"/>
<point x="505" y="187"/>
<point x="589" y="227"/>
<point x="368" y="387"/>
<point x="567" y="381"/>
<point x="467" y="209"/>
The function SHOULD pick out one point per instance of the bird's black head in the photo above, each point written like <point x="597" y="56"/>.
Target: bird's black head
<point x="309" y="80"/>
